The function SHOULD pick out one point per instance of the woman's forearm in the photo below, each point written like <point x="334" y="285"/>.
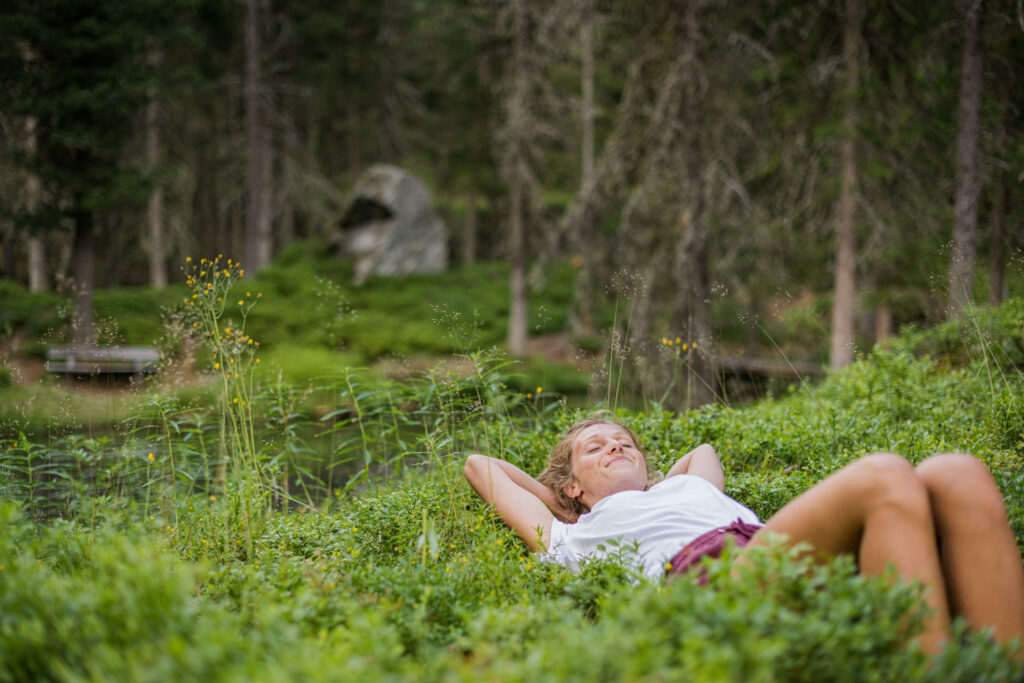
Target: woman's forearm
<point x="478" y="472"/>
<point x="483" y="463"/>
<point x="702" y="461"/>
<point x="520" y="500"/>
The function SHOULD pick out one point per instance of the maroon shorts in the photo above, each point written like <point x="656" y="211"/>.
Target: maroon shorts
<point x="711" y="544"/>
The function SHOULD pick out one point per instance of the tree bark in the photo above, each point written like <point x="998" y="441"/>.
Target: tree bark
<point x="82" y="333"/>
<point x="155" y="205"/>
<point x="258" y="236"/>
<point x="469" y="227"/>
<point x="997" y="246"/>
<point x="1000" y="209"/>
<point x="36" y="264"/>
<point x="583" y="230"/>
<point x="517" y="319"/>
<point x="692" y="278"/>
<point x="965" y="203"/>
<point x="33" y="194"/>
<point x="587" y="91"/>
<point x="844" y="297"/>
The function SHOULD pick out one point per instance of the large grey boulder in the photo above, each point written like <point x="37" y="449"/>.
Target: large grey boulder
<point x="390" y="227"/>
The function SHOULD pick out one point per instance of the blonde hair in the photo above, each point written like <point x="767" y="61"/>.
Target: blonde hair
<point x="559" y="471"/>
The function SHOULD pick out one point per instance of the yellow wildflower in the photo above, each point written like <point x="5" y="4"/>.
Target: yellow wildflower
<point x="151" y="457"/>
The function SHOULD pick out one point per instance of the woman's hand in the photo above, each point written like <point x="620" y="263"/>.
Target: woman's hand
<point x="703" y="462"/>
<point x="522" y="502"/>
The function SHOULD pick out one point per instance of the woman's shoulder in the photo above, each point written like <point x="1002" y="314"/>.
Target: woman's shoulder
<point x="678" y="481"/>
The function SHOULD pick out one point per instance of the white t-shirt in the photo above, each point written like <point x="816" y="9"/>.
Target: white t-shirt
<point x="658" y="522"/>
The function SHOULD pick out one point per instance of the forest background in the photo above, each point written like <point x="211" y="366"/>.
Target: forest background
<point x="841" y="168"/>
<point x="660" y="187"/>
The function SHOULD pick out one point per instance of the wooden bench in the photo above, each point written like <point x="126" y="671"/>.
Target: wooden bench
<point x="73" y="359"/>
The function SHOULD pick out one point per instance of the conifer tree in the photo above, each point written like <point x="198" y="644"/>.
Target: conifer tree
<point x="85" y="81"/>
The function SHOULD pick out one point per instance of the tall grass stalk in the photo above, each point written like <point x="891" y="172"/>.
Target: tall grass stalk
<point x="233" y="359"/>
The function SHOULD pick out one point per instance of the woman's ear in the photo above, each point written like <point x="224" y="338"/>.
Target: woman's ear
<point x="572" y="489"/>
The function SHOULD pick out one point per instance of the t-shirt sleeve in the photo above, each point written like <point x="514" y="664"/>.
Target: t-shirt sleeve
<point x="556" y="550"/>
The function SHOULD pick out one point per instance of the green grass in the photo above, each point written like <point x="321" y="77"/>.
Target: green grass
<point x="151" y="535"/>
<point x="374" y="560"/>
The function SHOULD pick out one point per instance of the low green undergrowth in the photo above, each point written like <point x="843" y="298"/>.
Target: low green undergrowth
<point x="116" y="601"/>
<point x="256" y="541"/>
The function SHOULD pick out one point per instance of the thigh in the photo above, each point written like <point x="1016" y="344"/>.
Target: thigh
<point x="831" y="515"/>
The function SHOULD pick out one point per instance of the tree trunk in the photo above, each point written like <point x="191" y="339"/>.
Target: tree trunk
<point x="692" y="279"/>
<point x="82" y="254"/>
<point x="965" y="203"/>
<point x="583" y="237"/>
<point x="8" y="260"/>
<point x="997" y="246"/>
<point x="289" y="182"/>
<point x="883" y="323"/>
<point x="353" y="136"/>
<point x="155" y="206"/>
<point x="36" y="264"/>
<point x="1000" y="209"/>
<point x="33" y="194"/>
<point x="258" y="237"/>
<point x="517" y="320"/>
<point x="844" y="298"/>
<point x="469" y="227"/>
<point x="587" y="91"/>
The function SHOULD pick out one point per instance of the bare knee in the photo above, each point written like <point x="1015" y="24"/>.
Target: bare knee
<point x="961" y="484"/>
<point x="890" y="480"/>
<point x="949" y="471"/>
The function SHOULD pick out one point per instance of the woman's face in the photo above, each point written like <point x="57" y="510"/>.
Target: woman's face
<point x="605" y="460"/>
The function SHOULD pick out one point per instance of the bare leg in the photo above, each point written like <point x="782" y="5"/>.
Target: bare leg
<point x="980" y="559"/>
<point x="876" y="508"/>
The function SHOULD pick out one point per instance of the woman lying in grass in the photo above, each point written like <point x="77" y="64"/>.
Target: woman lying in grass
<point x="942" y="523"/>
